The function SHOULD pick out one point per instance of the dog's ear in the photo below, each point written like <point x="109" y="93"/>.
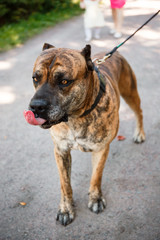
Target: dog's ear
<point x="47" y="46"/>
<point x="86" y="52"/>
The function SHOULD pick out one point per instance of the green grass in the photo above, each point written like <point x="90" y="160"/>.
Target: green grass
<point x="15" y="34"/>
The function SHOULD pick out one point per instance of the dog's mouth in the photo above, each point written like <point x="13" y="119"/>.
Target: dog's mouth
<point x="47" y="124"/>
<point x="33" y="120"/>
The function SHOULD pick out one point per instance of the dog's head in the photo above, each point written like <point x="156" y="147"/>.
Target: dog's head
<point x="61" y="79"/>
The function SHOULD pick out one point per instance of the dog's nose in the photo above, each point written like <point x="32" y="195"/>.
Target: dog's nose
<point x="38" y="106"/>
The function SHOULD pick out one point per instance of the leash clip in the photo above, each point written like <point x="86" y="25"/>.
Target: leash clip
<point x="102" y="60"/>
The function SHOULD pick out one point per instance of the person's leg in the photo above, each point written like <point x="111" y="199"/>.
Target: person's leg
<point x="119" y="20"/>
<point x="88" y="34"/>
<point x="117" y="15"/>
<point x="97" y="31"/>
<point x="114" y="17"/>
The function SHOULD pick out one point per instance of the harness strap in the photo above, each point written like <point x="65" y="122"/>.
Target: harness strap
<point x="101" y="91"/>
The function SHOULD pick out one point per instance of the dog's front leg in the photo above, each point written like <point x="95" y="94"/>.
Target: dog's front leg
<point x="96" y="201"/>
<point x="65" y="214"/>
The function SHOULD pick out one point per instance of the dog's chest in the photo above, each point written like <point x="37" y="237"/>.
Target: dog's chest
<point x="77" y="141"/>
<point x="83" y="139"/>
<point x="72" y="140"/>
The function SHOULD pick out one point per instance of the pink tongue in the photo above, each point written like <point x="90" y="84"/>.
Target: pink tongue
<point x="30" y="118"/>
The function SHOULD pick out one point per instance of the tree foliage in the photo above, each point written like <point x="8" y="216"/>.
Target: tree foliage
<point x="15" y="10"/>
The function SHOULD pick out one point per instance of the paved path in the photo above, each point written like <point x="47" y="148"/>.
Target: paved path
<point x="28" y="172"/>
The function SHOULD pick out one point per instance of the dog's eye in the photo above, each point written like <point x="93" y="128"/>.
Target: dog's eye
<point x="35" y="79"/>
<point x="64" y="82"/>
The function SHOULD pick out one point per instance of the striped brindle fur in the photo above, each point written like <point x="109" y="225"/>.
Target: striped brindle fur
<point x="67" y="81"/>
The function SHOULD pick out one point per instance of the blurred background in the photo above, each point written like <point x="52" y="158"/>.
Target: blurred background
<point x="22" y="19"/>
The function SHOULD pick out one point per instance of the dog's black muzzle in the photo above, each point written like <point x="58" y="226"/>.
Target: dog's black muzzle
<point x="39" y="107"/>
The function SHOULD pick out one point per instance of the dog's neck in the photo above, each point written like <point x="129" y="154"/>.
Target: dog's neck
<point x="99" y="93"/>
<point x="95" y="92"/>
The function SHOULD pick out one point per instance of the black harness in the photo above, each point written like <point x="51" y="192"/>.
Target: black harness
<point x="101" y="91"/>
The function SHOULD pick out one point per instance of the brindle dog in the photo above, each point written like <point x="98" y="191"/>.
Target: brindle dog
<point x="80" y="105"/>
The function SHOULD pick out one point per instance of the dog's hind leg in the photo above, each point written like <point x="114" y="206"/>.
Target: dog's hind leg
<point x="128" y="90"/>
<point x="65" y="214"/>
<point x="96" y="201"/>
<point x="134" y="102"/>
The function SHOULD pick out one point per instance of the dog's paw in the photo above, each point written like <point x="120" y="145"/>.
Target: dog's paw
<point x="139" y="137"/>
<point x="97" y="206"/>
<point x="65" y="218"/>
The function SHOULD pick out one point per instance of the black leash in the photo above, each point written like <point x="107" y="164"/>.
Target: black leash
<point x="108" y="55"/>
<point x="99" y="61"/>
